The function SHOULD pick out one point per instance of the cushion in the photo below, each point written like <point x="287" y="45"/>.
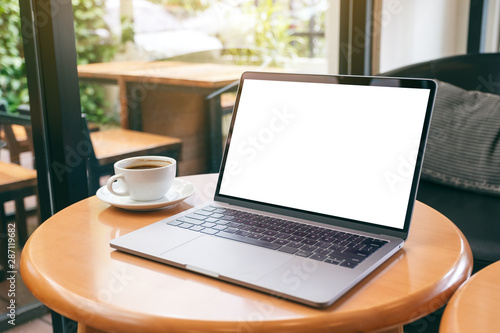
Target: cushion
<point x="463" y="148"/>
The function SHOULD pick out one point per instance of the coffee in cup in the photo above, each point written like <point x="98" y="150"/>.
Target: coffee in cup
<point x="143" y="178"/>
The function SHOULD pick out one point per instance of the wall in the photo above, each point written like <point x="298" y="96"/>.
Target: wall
<point x="418" y="30"/>
<point x="493" y="27"/>
<point x="332" y="31"/>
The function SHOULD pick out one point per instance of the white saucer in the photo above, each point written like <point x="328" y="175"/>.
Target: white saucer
<point x="180" y="190"/>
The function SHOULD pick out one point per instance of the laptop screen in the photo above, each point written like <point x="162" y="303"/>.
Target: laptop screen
<point x="347" y="150"/>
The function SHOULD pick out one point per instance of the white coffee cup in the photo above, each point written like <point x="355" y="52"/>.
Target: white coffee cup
<point x="144" y="178"/>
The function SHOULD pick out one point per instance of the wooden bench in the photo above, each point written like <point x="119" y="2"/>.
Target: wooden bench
<point x="112" y="145"/>
<point x="16" y="132"/>
<point x="16" y="183"/>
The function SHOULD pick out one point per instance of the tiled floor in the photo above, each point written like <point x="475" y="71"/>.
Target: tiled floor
<point x="39" y="325"/>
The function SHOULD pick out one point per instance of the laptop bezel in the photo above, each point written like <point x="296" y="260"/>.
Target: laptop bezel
<point x="335" y="79"/>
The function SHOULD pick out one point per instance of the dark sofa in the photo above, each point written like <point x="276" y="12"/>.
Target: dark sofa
<point x="461" y="170"/>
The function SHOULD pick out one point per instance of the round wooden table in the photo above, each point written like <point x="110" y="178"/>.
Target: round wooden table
<point x="69" y="266"/>
<point x="474" y="307"/>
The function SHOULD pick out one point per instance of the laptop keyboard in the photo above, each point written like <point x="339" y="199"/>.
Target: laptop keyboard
<point x="322" y="244"/>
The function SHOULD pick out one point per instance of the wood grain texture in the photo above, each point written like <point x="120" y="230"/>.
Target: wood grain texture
<point x="204" y="75"/>
<point x="68" y="265"/>
<point x="474" y="307"/>
<point x="115" y="144"/>
<point x="14" y="177"/>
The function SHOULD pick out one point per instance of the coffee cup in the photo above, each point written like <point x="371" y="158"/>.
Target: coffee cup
<point x="143" y="178"/>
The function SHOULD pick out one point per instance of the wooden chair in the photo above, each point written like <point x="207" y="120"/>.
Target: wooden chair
<point x="16" y="183"/>
<point x="105" y="146"/>
<point x="111" y="145"/>
<point x="16" y="132"/>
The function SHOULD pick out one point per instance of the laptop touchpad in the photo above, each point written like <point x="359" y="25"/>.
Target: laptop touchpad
<point x="217" y="256"/>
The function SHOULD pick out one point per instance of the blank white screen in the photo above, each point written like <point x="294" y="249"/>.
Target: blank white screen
<point x="341" y="150"/>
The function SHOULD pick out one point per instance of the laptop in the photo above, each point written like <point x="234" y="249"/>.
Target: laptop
<point x="316" y="186"/>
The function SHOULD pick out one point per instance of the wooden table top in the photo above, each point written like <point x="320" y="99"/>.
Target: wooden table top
<point x="204" y="75"/>
<point x="115" y="144"/>
<point x="68" y="265"/>
<point x="474" y="307"/>
<point x="14" y="177"/>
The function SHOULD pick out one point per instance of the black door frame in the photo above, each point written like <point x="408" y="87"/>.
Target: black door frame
<point x="51" y="69"/>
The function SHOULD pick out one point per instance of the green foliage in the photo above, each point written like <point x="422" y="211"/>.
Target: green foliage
<point x="188" y="5"/>
<point x="13" y="85"/>
<point x="272" y="29"/>
<point x="127" y="27"/>
<point x="94" y="43"/>
<point x="273" y="39"/>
